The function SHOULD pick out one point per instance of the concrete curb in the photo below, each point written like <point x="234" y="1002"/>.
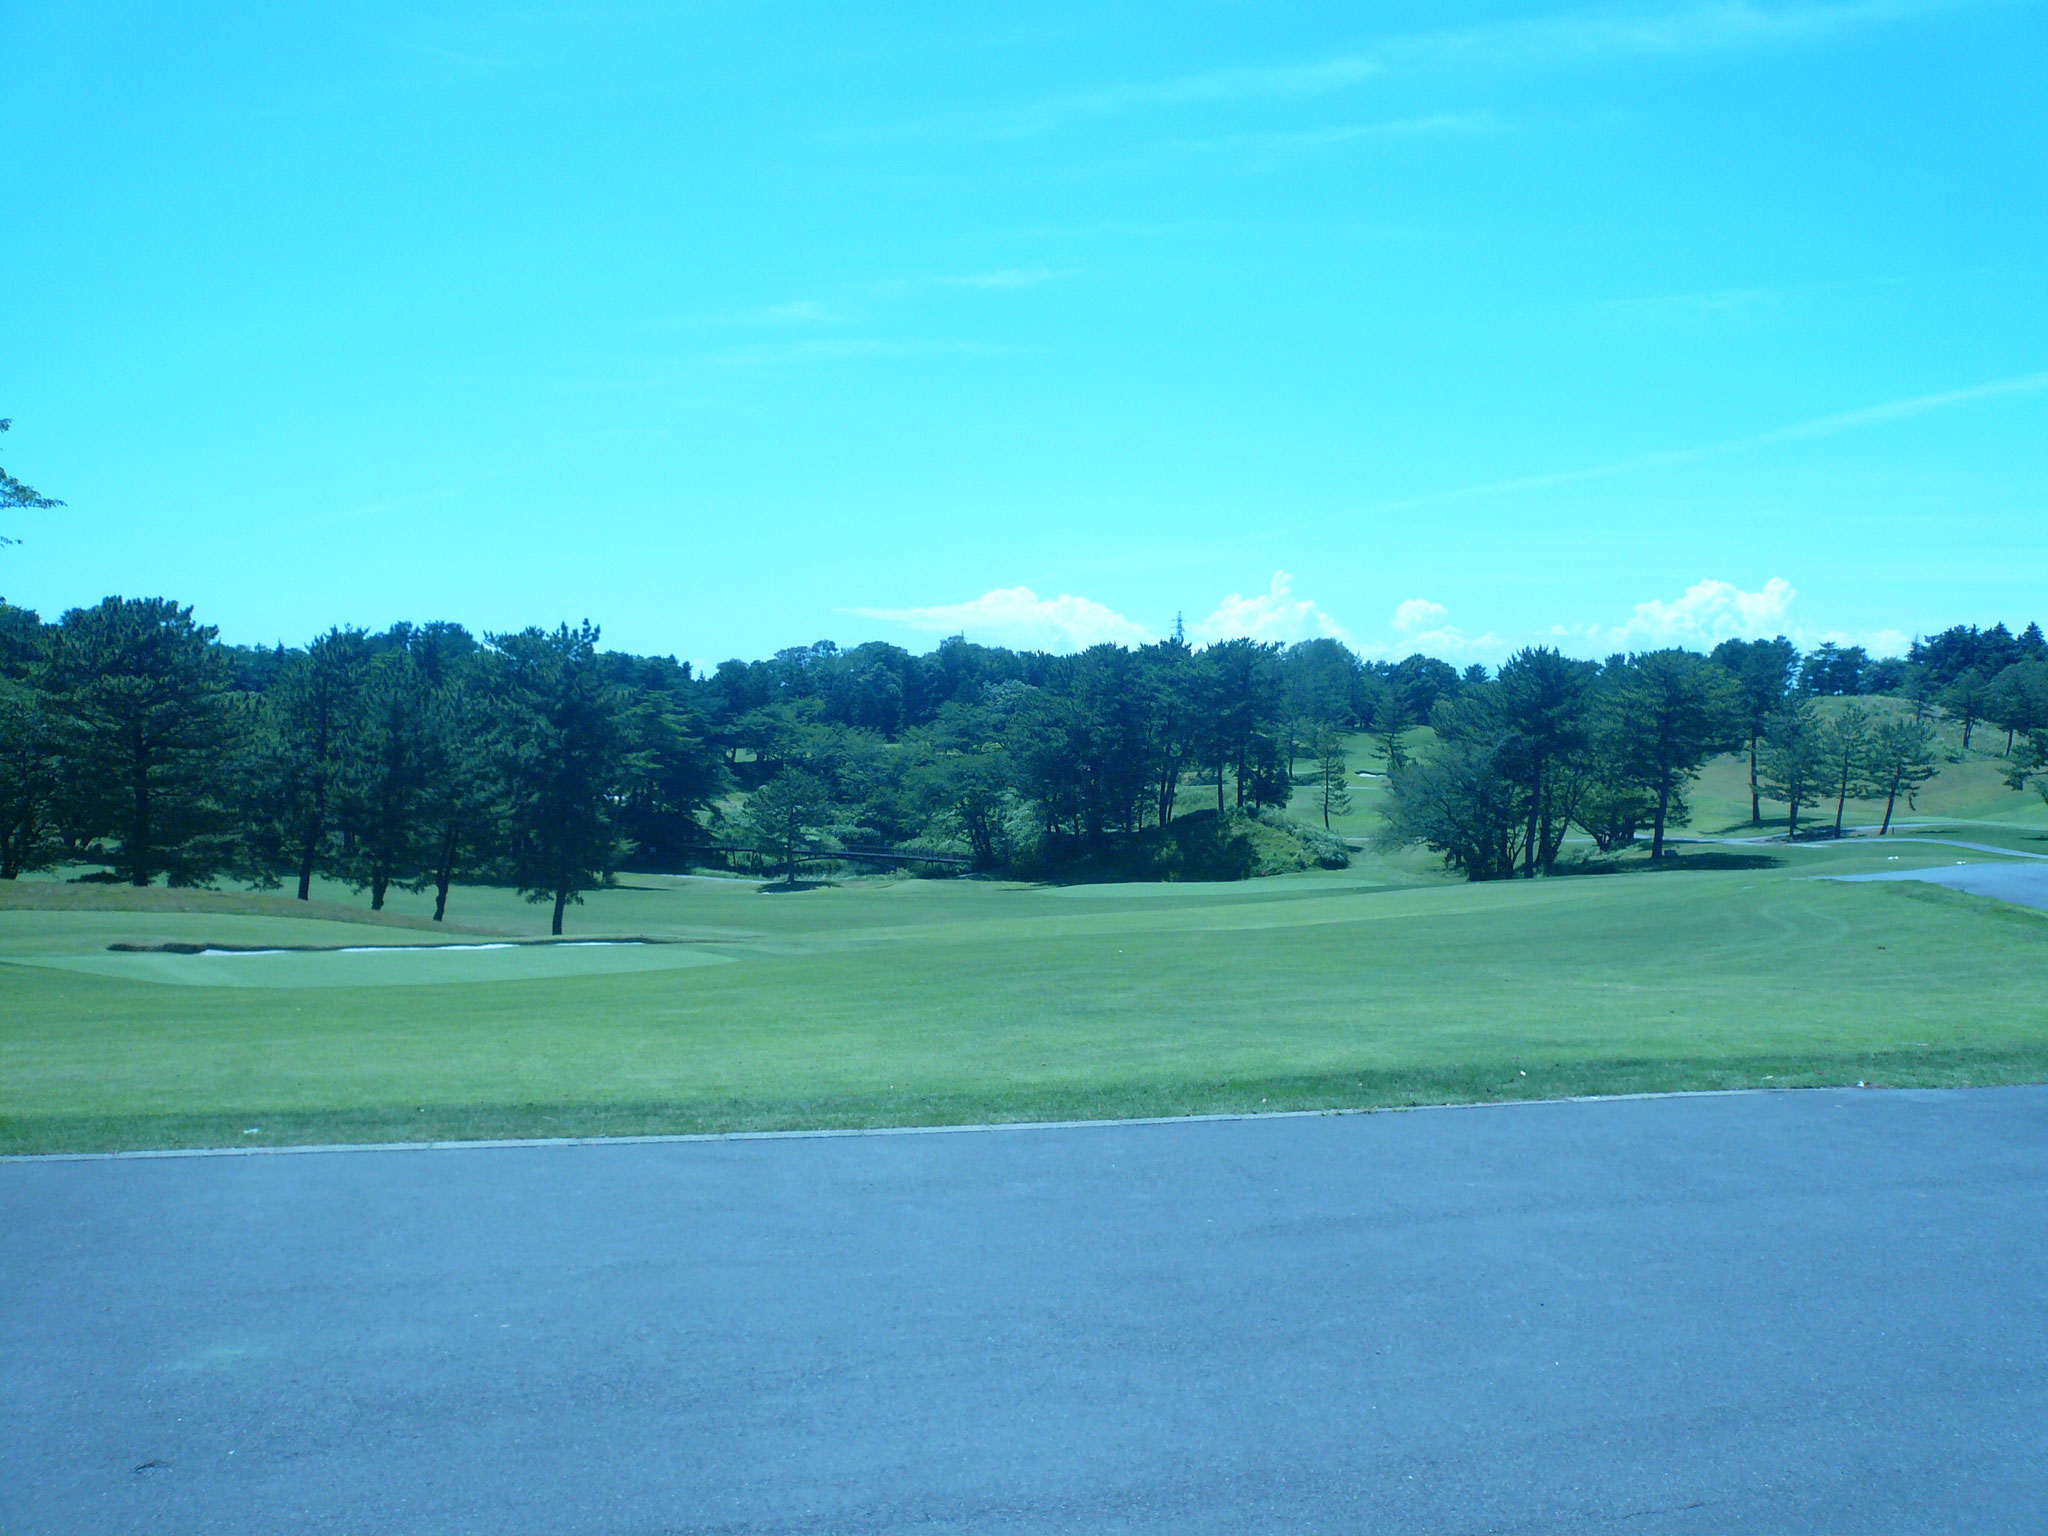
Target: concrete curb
<point x="687" y="1137"/>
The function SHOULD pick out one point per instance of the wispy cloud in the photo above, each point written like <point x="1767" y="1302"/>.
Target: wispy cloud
<point x="1718" y="302"/>
<point x="1338" y="135"/>
<point x="1540" y="43"/>
<point x="1815" y="427"/>
<point x="1004" y="277"/>
<point x="843" y="348"/>
<point x="797" y="312"/>
<point x="1913" y="405"/>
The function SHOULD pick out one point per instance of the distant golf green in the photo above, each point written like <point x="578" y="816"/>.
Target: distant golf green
<point x="912" y="1001"/>
<point x="410" y="965"/>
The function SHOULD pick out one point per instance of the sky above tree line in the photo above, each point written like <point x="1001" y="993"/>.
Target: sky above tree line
<point x="1446" y="327"/>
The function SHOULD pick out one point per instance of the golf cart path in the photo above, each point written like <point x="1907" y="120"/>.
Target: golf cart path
<point x="1860" y="835"/>
<point x="1725" y="1313"/>
<point x="2024" y="885"/>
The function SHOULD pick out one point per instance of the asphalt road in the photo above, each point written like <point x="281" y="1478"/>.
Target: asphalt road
<point x="2023" y="884"/>
<point x="1785" y="1312"/>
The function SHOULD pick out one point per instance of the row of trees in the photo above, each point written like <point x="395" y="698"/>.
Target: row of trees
<point x="1613" y="749"/>
<point x="132" y="738"/>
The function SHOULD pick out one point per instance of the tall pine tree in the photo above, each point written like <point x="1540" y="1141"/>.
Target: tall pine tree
<point x="150" y="737"/>
<point x="561" y="751"/>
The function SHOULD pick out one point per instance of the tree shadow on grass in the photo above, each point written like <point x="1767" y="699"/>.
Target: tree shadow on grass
<point x="790" y="887"/>
<point x="1717" y="858"/>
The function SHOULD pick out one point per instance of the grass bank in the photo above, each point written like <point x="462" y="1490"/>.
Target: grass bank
<point x="937" y="1002"/>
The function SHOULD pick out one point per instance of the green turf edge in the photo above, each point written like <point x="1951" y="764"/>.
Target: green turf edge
<point x="1365" y="1089"/>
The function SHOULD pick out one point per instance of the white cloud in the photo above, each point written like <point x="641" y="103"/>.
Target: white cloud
<point x="1275" y="614"/>
<point x="1879" y="642"/>
<point x="1712" y="611"/>
<point x="1420" y="623"/>
<point x="1418" y="612"/>
<point x="1451" y="643"/>
<point x="1019" y="617"/>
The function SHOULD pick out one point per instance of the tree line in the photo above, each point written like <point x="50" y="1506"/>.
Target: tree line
<point x="423" y="756"/>
<point x="1549" y="743"/>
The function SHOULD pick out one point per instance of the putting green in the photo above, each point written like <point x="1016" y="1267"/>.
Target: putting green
<point x="417" y="965"/>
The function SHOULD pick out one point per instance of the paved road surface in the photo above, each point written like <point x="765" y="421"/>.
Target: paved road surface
<point x="2026" y="884"/>
<point x="1787" y="1312"/>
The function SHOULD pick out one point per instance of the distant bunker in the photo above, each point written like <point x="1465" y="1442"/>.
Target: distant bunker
<point x="385" y="965"/>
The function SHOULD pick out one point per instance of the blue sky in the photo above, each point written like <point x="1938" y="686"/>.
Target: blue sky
<point x="735" y="326"/>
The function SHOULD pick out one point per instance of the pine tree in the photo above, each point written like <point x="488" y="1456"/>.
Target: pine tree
<point x="462" y="795"/>
<point x="149" y="734"/>
<point x="1763" y="669"/>
<point x="787" y="813"/>
<point x="1790" y="769"/>
<point x="1845" y="750"/>
<point x="383" y="782"/>
<point x="1965" y="699"/>
<point x="1332" y="776"/>
<point x="1901" y="760"/>
<point x="31" y="768"/>
<point x="561" y="747"/>
<point x="312" y="729"/>
<point x="1666" y="713"/>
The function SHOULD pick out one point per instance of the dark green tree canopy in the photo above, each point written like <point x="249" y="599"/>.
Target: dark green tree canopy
<point x="417" y="757"/>
<point x="561" y="739"/>
<point x="150" y="738"/>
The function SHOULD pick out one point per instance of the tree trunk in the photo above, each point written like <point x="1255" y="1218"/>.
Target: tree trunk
<point x="561" y="901"/>
<point x="445" y="872"/>
<point x="306" y="862"/>
<point x="379" y="884"/>
<point x="1842" y="797"/>
<point x="137" y="851"/>
<point x="1756" y="799"/>
<point x="1535" y="806"/>
<point x="1657" y="832"/>
<point x="1889" y="800"/>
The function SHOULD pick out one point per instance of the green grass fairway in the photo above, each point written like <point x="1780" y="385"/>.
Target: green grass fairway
<point x="913" y="1001"/>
